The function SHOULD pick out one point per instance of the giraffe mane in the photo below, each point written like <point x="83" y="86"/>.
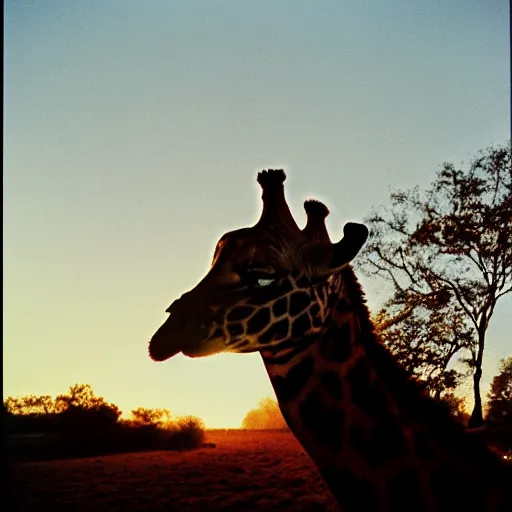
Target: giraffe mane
<point x="411" y="396"/>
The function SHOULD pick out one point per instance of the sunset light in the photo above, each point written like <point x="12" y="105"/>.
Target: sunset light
<point x="139" y="134"/>
<point x="113" y="207"/>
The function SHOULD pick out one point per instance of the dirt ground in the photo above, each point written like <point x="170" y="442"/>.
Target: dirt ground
<point x="246" y="471"/>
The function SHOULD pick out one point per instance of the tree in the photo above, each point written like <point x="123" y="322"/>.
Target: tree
<point x="499" y="406"/>
<point x="38" y="404"/>
<point x="30" y="404"/>
<point x="78" y="395"/>
<point x="455" y="243"/>
<point x="81" y="409"/>
<point x="145" y="416"/>
<point x="267" y="416"/>
<point x="456" y="406"/>
<point x="13" y="405"/>
<point x="424" y="334"/>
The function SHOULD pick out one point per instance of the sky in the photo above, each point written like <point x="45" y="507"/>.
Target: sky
<point x="133" y="133"/>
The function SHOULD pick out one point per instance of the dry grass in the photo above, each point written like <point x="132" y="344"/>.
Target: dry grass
<point x="248" y="470"/>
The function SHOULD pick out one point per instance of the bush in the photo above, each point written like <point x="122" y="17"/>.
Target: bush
<point x="78" y="418"/>
<point x="185" y="433"/>
<point x="267" y="416"/>
<point x="80" y="424"/>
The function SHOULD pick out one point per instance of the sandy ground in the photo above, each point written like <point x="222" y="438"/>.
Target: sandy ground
<point x="246" y="471"/>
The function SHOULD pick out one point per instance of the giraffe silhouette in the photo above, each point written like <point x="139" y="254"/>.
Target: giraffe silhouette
<point x="378" y="441"/>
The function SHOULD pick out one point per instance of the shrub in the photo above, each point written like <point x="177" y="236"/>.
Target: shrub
<point x="80" y="424"/>
<point x="267" y="416"/>
<point x="185" y="433"/>
<point x="78" y="418"/>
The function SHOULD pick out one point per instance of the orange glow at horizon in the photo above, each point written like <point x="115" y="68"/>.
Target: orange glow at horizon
<point x="133" y="135"/>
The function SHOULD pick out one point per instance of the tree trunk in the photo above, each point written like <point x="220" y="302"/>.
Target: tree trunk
<point x="476" y="419"/>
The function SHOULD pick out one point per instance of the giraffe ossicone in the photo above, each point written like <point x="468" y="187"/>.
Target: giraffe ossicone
<point x="378" y="441"/>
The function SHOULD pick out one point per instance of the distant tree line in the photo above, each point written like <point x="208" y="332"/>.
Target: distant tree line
<point x="79" y="423"/>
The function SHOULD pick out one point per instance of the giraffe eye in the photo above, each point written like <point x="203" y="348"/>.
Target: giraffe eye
<point x="257" y="277"/>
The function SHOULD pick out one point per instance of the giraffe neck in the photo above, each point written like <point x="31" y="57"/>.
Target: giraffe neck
<point x="377" y="440"/>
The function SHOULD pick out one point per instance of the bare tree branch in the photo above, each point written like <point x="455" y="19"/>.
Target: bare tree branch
<point x="456" y="238"/>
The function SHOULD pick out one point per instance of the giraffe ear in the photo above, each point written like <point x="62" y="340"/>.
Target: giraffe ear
<point x="354" y="237"/>
<point x="330" y="258"/>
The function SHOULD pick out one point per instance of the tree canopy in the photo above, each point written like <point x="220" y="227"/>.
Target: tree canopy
<point x="78" y="396"/>
<point x="145" y="416"/>
<point x="448" y="256"/>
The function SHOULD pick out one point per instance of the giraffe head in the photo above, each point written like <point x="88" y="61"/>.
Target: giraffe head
<point x="260" y="289"/>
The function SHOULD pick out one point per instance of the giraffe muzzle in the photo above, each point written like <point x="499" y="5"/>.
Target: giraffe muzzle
<point x="177" y="334"/>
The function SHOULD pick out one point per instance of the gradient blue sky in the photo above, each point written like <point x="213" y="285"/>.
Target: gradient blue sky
<point x="133" y="132"/>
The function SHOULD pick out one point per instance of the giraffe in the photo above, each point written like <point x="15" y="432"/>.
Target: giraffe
<point x="378" y="441"/>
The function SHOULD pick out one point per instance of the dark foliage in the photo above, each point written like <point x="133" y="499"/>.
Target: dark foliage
<point x="80" y="424"/>
<point x="448" y="254"/>
<point x="499" y="408"/>
<point x="145" y="416"/>
<point x="185" y="434"/>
